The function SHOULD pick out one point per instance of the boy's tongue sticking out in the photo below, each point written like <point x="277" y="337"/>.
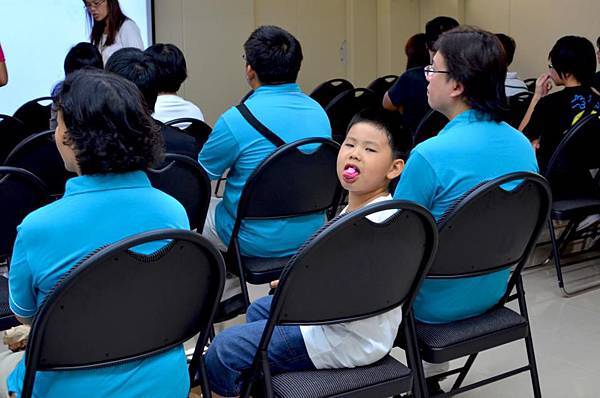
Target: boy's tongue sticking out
<point x="350" y="173"/>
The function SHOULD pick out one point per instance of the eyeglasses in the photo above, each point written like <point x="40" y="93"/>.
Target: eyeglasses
<point x="430" y="70"/>
<point x="93" y="4"/>
<point x="550" y="66"/>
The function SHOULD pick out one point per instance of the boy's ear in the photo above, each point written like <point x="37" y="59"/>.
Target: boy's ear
<point x="395" y="169"/>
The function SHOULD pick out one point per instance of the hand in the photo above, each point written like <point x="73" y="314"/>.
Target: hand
<point x="543" y="85"/>
<point x="535" y="144"/>
<point x="17" y="346"/>
<point x="274" y="284"/>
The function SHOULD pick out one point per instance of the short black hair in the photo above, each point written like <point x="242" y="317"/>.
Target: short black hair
<point x="108" y="128"/>
<point x="390" y="123"/>
<point x="437" y="26"/>
<point x="574" y="55"/>
<point x="475" y="59"/>
<point x="509" y="45"/>
<point x="82" y="55"/>
<point x="416" y="51"/>
<point x="137" y="67"/>
<point x="274" y="54"/>
<point x="171" y="67"/>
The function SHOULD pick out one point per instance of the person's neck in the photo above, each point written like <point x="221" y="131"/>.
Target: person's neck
<point x="455" y="110"/>
<point x="357" y="200"/>
<point x="166" y="93"/>
<point x="572" y="82"/>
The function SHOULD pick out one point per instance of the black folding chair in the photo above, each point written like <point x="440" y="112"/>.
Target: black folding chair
<point x="490" y="229"/>
<point x="12" y="131"/>
<point x="343" y="107"/>
<point x="382" y="84"/>
<point x="194" y="127"/>
<point x="158" y="301"/>
<point x="327" y="91"/>
<point x="20" y="193"/>
<point x="39" y="155"/>
<point x="185" y="180"/>
<point x="270" y="193"/>
<point x="353" y="269"/>
<point x="35" y="114"/>
<point x="573" y="175"/>
<point x="431" y="124"/>
<point x="517" y="107"/>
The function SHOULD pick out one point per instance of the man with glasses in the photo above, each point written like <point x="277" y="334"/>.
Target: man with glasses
<point x="409" y="94"/>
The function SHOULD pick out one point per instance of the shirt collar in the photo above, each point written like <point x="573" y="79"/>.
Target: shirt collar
<point x="105" y="182"/>
<point x="278" y="88"/>
<point x="511" y="75"/>
<point x="466" y="117"/>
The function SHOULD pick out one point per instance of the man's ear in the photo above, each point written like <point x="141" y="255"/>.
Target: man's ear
<point x="457" y="90"/>
<point x="395" y="169"/>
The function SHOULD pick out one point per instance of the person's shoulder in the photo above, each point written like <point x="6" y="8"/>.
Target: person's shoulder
<point x="129" y="25"/>
<point x="49" y="215"/>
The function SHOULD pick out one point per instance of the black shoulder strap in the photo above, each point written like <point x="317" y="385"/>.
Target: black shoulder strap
<point x="261" y="128"/>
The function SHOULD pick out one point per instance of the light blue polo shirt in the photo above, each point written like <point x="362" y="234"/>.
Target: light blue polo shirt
<point x="234" y="144"/>
<point x="96" y="210"/>
<point x="438" y="172"/>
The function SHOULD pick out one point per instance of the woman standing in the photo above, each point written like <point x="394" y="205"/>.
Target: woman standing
<point x="111" y="29"/>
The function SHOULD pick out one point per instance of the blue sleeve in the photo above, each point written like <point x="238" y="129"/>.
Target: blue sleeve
<point x="418" y="182"/>
<point x="220" y="151"/>
<point x="22" y="299"/>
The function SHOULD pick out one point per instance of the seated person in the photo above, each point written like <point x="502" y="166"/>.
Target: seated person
<point x="596" y="80"/>
<point x="370" y="157"/>
<point x="408" y="95"/>
<point x="571" y="63"/>
<point x="417" y="54"/>
<point x="106" y="136"/>
<point x="513" y="85"/>
<point x="139" y="68"/>
<point x="273" y="57"/>
<point x="172" y="72"/>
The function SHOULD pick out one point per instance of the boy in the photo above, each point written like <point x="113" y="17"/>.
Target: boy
<point x="371" y="156"/>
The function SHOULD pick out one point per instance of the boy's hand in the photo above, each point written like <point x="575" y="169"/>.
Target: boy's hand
<point x="274" y="284"/>
<point x="543" y="85"/>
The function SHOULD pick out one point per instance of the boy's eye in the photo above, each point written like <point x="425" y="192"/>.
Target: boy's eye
<point x="349" y="145"/>
<point x="370" y="150"/>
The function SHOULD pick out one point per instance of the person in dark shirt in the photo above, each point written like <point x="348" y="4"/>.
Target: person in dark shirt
<point x="596" y="81"/>
<point x="572" y="64"/>
<point x="409" y="94"/>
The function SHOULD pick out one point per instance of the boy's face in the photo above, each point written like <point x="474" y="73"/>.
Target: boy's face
<point x="365" y="162"/>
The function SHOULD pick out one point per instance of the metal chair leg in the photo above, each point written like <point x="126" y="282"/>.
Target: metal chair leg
<point x="464" y="371"/>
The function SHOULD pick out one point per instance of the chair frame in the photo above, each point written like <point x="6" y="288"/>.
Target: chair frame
<point x="347" y="85"/>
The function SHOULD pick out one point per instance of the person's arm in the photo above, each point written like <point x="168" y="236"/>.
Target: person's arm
<point x="21" y="289"/>
<point x="543" y="85"/>
<point x="130" y="35"/>
<point x="220" y="150"/>
<point x="3" y="69"/>
<point x="388" y="105"/>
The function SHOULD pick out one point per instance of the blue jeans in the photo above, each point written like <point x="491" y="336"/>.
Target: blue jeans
<point x="232" y="351"/>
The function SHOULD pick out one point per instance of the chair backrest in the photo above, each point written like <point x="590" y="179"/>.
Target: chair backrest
<point x="185" y="180"/>
<point x="156" y="301"/>
<point x="517" y="107"/>
<point x="39" y="155"/>
<point x="570" y="167"/>
<point x="297" y="179"/>
<point x="382" y="84"/>
<point x="492" y="227"/>
<point x="194" y="127"/>
<point x="12" y="131"/>
<point x="530" y="83"/>
<point x="343" y="107"/>
<point x="330" y="89"/>
<point x="356" y="267"/>
<point x="431" y="124"/>
<point x="21" y="192"/>
<point x="35" y="114"/>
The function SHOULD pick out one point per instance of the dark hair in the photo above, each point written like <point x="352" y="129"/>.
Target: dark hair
<point x="475" y="59"/>
<point x="574" y="55"/>
<point x="82" y="55"/>
<point x="170" y="64"/>
<point x="115" y="19"/>
<point x="437" y="26"/>
<point x="274" y="54"/>
<point x="509" y="45"/>
<point x="416" y="51"/>
<point x="391" y="124"/>
<point x="137" y="67"/>
<point x="107" y="126"/>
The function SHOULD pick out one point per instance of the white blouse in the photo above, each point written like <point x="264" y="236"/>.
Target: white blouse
<point x="128" y="36"/>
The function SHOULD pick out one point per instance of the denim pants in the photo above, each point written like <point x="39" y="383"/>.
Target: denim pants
<point x="233" y="350"/>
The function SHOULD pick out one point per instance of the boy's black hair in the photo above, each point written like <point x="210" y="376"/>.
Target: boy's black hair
<point x="391" y="124"/>
<point x="509" y="45"/>
<point x="435" y="28"/>
<point x="274" y="54"/>
<point x="170" y="66"/>
<point x="574" y="55"/>
<point x="82" y="55"/>
<point x="108" y="128"/>
<point x="137" y="67"/>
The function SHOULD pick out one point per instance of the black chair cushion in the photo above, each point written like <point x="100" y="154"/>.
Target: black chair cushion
<point x="261" y="270"/>
<point x="580" y="207"/>
<point x="393" y="377"/>
<point x="7" y="319"/>
<point x="444" y="342"/>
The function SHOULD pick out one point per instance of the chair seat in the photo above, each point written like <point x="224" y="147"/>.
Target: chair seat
<point x="573" y="208"/>
<point x="444" y="342"/>
<point x="259" y="270"/>
<point x="392" y="376"/>
<point x="7" y="319"/>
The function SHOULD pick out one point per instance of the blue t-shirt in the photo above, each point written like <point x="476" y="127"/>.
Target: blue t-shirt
<point x="235" y="145"/>
<point x="438" y="172"/>
<point x="96" y="210"/>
